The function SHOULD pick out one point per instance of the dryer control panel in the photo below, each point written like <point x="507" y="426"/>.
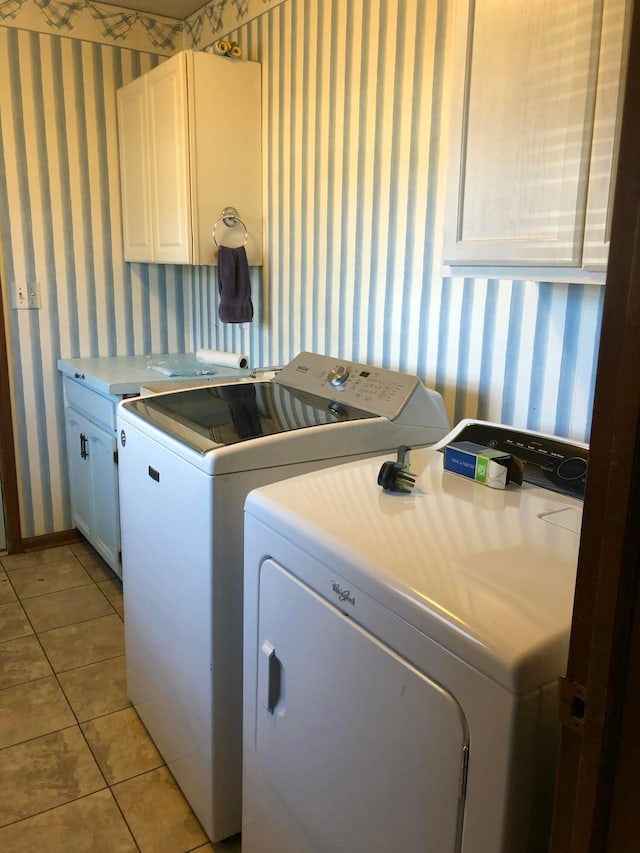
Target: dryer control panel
<point x="549" y="461"/>
<point x="372" y="389"/>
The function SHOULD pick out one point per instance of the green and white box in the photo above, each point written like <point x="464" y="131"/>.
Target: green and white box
<point x="492" y="468"/>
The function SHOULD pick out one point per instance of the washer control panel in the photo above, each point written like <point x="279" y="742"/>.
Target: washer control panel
<point x="549" y="461"/>
<point x="372" y="389"/>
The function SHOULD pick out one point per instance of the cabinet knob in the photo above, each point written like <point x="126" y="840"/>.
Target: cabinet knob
<point x="78" y="375"/>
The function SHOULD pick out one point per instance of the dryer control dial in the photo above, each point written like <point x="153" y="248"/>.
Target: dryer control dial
<point x="338" y="375"/>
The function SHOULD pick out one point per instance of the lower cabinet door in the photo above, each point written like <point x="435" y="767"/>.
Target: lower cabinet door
<point x="93" y="482"/>
<point x="105" y="526"/>
<point x="79" y="471"/>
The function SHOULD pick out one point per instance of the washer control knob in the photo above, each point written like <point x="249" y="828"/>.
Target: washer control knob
<point x="337" y="376"/>
<point x="338" y="411"/>
<point x="573" y="468"/>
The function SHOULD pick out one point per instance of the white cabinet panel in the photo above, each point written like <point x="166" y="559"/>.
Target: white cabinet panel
<point x="195" y="131"/>
<point x="529" y="76"/>
<point x="614" y="48"/>
<point x="93" y="469"/>
<point x="134" y="172"/>
<point x="79" y="473"/>
<point x="169" y="153"/>
<point x="104" y="495"/>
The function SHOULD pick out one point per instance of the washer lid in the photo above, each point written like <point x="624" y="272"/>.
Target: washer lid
<point x="220" y="415"/>
<point x="488" y="574"/>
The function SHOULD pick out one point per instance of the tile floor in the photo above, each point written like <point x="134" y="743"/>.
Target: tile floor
<point x="78" y="771"/>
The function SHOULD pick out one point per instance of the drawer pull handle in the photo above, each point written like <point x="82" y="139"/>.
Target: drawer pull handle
<point x="155" y="475"/>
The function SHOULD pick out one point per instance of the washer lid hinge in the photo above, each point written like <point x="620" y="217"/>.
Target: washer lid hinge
<point x="572" y="704"/>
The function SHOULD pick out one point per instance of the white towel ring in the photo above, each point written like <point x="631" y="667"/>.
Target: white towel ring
<point x="230" y="218"/>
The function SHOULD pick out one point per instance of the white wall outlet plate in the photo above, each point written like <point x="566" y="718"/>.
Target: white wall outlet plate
<point x="33" y="294"/>
<point x="25" y="294"/>
<point x="18" y="295"/>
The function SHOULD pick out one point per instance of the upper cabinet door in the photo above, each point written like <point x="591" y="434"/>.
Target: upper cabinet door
<point x="614" y="50"/>
<point x="134" y="172"/>
<point x="169" y="160"/>
<point x="190" y="136"/>
<point x="521" y="132"/>
<point x="225" y="117"/>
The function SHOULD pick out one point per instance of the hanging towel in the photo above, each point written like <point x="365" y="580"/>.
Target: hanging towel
<point x="234" y="285"/>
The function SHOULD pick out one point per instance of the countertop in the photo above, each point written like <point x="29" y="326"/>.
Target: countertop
<point x="125" y="374"/>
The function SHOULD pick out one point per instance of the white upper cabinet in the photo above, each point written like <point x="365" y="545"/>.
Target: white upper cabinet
<point x="614" y="47"/>
<point x="134" y="171"/>
<point x="533" y="135"/>
<point x="169" y="164"/>
<point x="190" y="146"/>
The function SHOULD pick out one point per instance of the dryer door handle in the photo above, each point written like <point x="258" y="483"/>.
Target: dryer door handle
<point x="271" y="674"/>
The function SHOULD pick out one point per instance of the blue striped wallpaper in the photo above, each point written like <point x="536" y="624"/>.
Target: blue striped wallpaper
<point x="355" y="102"/>
<point x="60" y="226"/>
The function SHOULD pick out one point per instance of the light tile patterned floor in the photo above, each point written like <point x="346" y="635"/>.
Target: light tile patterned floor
<point x="78" y="770"/>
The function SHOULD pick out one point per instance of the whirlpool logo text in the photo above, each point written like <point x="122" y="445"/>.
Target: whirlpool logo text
<point x="343" y="594"/>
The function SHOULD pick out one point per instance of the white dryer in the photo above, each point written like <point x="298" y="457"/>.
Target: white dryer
<point x="187" y="461"/>
<point x="402" y="653"/>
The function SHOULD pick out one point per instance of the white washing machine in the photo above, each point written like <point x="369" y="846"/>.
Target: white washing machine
<point x="402" y="653"/>
<point x="186" y="463"/>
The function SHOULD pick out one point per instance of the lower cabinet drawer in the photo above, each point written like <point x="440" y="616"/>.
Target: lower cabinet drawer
<point x="96" y="406"/>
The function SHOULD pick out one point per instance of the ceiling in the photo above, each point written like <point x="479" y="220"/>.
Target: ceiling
<point x="179" y="9"/>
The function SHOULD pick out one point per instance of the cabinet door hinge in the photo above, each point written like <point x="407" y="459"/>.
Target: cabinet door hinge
<point x="115" y="457"/>
<point x="572" y="704"/>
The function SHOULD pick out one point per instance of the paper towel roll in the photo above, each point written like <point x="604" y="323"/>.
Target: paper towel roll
<point x="223" y="359"/>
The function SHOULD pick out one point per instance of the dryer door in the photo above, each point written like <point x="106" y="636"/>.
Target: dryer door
<point x="359" y="749"/>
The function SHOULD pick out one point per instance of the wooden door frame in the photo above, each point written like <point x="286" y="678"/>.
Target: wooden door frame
<point x="8" y="472"/>
<point x="598" y="788"/>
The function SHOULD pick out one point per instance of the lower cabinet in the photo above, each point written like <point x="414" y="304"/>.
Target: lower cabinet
<point x="93" y="482"/>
